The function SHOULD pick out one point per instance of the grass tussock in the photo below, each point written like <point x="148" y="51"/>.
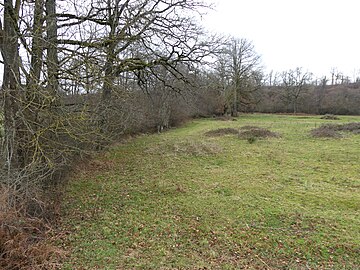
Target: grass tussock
<point x="251" y="132"/>
<point x="334" y="131"/>
<point x="25" y="239"/>
<point x="329" y="117"/>
<point x="249" y="127"/>
<point x="222" y="132"/>
<point x="325" y="132"/>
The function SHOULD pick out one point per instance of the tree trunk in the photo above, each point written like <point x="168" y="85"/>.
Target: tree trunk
<point x="234" y="107"/>
<point x="11" y="88"/>
<point x="52" y="58"/>
<point x="294" y="107"/>
<point x="36" y="48"/>
<point x="109" y="75"/>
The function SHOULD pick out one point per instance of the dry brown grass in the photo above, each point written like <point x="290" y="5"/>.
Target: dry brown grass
<point x="350" y="127"/>
<point x="333" y="131"/>
<point x="329" y="117"/>
<point x="222" y="132"/>
<point x="24" y="240"/>
<point x="249" y="127"/>
<point x="325" y="132"/>
<point x="256" y="132"/>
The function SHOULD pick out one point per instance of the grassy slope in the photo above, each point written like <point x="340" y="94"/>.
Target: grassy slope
<point x="181" y="200"/>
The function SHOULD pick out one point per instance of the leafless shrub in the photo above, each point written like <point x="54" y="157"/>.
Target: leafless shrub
<point x="330" y="117"/>
<point x="222" y="132"/>
<point x="256" y="132"/>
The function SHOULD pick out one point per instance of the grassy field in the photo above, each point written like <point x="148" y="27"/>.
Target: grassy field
<point x="184" y="200"/>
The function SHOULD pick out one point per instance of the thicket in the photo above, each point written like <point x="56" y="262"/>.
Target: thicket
<point x="331" y="99"/>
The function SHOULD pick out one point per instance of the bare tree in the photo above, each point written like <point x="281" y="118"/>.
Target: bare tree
<point x="239" y="69"/>
<point x="103" y="47"/>
<point x="130" y="36"/>
<point x="295" y="83"/>
<point x="51" y="44"/>
<point x="320" y="94"/>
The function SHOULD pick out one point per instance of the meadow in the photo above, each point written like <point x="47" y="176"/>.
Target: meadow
<point x="186" y="200"/>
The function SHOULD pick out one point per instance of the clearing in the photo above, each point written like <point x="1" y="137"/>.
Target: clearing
<point x="185" y="200"/>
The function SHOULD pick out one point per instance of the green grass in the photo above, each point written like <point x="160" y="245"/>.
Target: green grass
<point x="184" y="200"/>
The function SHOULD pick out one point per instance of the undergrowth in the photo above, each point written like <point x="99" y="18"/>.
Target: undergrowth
<point x="25" y="238"/>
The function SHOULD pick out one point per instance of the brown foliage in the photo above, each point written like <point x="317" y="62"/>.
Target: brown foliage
<point x="24" y="240"/>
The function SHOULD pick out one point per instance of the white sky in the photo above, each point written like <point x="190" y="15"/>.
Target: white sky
<point x="314" y="34"/>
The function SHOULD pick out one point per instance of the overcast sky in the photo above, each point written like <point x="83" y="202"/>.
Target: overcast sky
<point x="314" y="34"/>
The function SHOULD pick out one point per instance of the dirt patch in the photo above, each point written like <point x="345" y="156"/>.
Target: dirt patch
<point x="257" y="132"/>
<point x="333" y="131"/>
<point x="330" y="117"/>
<point x="222" y="132"/>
